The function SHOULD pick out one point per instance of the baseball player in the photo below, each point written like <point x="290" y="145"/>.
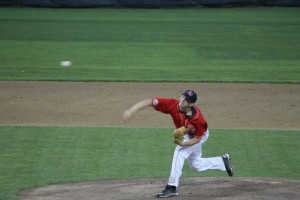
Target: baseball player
<point x="189" y="117"/>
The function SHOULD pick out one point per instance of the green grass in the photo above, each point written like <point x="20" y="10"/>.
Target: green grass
<point x="34" y="156"/>
<point x="177" y="45"/>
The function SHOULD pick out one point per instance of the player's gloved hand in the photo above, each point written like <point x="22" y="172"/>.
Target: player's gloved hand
<point x="178" y="134"/>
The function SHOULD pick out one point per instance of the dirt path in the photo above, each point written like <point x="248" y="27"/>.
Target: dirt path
<point x="262" y="106"/>
<point x="101" y="104"/>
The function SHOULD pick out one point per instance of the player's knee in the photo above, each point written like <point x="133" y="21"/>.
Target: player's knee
<point x="193" y="167"/>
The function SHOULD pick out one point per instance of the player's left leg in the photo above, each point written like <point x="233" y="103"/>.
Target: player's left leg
<point x="180" y="155"/>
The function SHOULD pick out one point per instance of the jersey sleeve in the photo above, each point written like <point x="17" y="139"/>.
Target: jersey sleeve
<point x="162" y="104"/>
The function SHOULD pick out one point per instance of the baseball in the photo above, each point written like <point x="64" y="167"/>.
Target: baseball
<point x="65" y="63"/>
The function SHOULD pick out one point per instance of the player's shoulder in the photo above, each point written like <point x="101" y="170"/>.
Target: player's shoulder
<point x="197" y="114"/>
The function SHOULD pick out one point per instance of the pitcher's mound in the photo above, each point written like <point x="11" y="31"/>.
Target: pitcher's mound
<point x="190" y="188"/>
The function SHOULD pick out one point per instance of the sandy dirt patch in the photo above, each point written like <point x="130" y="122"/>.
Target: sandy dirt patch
<point x="191" y="188"/>
<point x="102" y="104"/>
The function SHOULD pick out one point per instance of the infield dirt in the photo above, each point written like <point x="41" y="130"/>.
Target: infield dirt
<point x="257" y="106"/>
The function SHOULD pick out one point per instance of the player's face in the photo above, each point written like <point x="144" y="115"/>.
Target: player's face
<point x="183" y="103"/>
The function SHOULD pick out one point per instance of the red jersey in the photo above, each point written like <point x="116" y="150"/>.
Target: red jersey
<point x="196" y="123"/>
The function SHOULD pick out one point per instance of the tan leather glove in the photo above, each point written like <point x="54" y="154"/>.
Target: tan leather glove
<point x="179" y="133"/>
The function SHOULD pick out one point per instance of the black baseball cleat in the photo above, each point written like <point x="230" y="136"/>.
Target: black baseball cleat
<point x="170" y="191"/>
<point x="229" y="168"/>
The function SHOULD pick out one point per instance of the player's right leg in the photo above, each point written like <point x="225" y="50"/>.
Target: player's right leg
<point x="222" y="163"/>
<point x="227" y="163"/>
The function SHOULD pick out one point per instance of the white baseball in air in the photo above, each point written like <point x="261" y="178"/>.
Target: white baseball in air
<point x="66" y="63"/>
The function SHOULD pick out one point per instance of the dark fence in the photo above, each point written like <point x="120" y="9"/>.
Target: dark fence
<point x="147" y="3"/>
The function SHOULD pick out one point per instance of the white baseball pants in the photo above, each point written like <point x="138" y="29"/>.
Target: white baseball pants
<point x="193" y="155"/>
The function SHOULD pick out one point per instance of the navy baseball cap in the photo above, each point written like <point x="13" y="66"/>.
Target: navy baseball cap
<point x="190" y="96"/>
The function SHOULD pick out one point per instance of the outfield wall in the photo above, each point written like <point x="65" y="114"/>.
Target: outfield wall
<point x="147" y="3"/>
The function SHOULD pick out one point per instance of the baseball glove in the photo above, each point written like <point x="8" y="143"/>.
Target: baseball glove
<point x="179" y="133"/>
